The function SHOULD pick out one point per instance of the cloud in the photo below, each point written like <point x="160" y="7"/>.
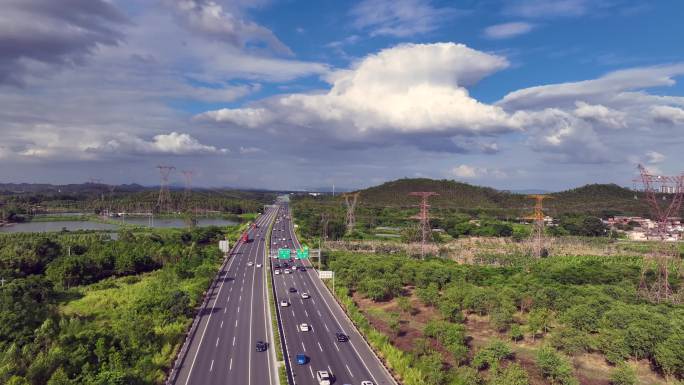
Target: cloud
<point x="604" y="88"/>
<point x="668" y="114"/>
<point x="654" y="157"/>
<point x="173" y="143"/>
<point x="399" y="18"/>
<point x="38" y="35"/>
<point x="211" y="19"/>
<point x="407" y="89"/>
<point x="507" y="30"/>
<point x="600" y="114"/>
<point x="548" y="8"/>
<point x="465" y="171"/>
<point x="249" y="150"/>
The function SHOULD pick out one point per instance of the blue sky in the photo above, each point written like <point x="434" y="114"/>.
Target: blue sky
<point x="512" y="94"/>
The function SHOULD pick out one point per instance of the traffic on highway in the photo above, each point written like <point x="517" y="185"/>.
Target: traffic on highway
<point x="322" y="345"/>
<point x="233" y="340"/>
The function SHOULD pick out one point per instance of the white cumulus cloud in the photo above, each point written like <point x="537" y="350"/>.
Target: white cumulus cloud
<point x="410" y="88"/>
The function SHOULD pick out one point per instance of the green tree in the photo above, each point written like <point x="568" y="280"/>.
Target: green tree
<point x="513" y="374"/>
<point x="623" y="374"/>
<point x="554" y="367"/>
<point x="539" y="321"/>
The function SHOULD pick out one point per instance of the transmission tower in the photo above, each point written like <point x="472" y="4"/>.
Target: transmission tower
<point x="661" y="212"/>
<point x="164" y="200"/>
<point x="424" y="217"/>
<point x="350" y="199"/>
<point x="538" y="238"/>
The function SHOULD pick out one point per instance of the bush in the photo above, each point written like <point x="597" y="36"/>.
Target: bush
<point x="554" y="367"/>
<point x="623" y="374"/>
<point x="516" y="332"/>
<point x="513" y="374"/>
<point x="491" y="354"/>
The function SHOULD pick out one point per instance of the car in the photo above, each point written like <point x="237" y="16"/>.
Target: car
<point x="261" y="346"/>
<point x="276" y="265"/>
<point x="305" y="295"/>
<point x="284" y="303"/>
<point x="323" y="377"/>
<point x="366" y="382"/>
<point x="292" y="290"/>
<point x="250" y="263"/>
<point x="302" y="359"/>
<point x="341" y="337"/>
<point x="276" y="272"/>
<point x="294" y="268"/>
<point x="302" y="268"/>
<point x="258" y="265"/>
<point x="304" y="327"/>
<point x="288" y="271"/>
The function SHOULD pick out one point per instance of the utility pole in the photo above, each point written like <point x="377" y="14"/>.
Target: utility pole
<point x="424" y="217"/>
<point x="669" y="188"/>
<point x="350" y="199"/>
<point x="164" y="200"/>
<point x="538" y="236"/>
<point x="2" y="282"/>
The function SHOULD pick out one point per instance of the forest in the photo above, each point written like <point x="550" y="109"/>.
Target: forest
<point x="437" y="322"/>
<point x="92" y="308"/>
<point x="19" y="202"/>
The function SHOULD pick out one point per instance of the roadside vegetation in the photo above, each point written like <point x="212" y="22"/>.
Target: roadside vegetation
<point x="561" y="320"/>
<point x="83" y="308"/>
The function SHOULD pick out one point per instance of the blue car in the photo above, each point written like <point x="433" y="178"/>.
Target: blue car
<point x="302" y="359"/>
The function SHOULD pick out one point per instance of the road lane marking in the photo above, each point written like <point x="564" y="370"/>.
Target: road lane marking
<point x="211" y="368"/>
<point x="238" y="309"/>
<point x="307" y="313"/>
<point x="311" y="370"/>
<point x="326" y="327"/>
<point x="221" y="324"/>
<point x="319" y="313"/>
<point x="320" y="348"/>
<point x="329" y="370"/>
<point x="293" y="314"/>
<point x="337" y="347"/>
<point x="233" y="340"/>
<point x="199" y="346"/>
<point x="230" y="367"/>
<point x="236" y="323"/>
<point x="303" y="347"/>
<point x="349" y="370"/>
<point x="225" y="309"/>
<point x="217" y="341"/>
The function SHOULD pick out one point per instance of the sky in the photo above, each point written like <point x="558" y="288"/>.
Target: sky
<point x="285" y="94"/>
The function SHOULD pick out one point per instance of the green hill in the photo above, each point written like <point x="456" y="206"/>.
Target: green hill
<point x="596" y="199"/>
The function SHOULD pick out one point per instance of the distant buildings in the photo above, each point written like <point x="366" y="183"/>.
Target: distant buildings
<point x="642" y="229"/>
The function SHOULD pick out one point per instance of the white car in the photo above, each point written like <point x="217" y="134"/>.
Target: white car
<point x="323" y="377"/>
<point x="294" y="268"/>
<point x="258" y="265"/>
<point x="304" y="327"/>
<point x="276" y="272"/>
<point x="250" y="263"/>
<point x="288" y="271"/>
<point x="284" y="303"/>
<point x="305" y="295"/>
<point x="366" y="382"/>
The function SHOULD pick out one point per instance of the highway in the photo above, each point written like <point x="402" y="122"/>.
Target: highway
<point x="350" y="362"/>
<point x="222" y="350"/>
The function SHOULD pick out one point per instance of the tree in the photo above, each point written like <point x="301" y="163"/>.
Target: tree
<point x="539" y="321"/>
<point x="429" y="295"/>
<point x="554" y="367"/>
<point x="513" y="374"/>
<point x="394" y="323"/>
<point x="492" y="354"/>
<point x="623" y="374"/>
<point x="405" y="305"/>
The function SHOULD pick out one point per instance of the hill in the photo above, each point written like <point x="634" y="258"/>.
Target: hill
<point x="596" y="199"/>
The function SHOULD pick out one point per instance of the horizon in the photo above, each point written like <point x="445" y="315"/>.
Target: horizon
<point x="510" y="94"/>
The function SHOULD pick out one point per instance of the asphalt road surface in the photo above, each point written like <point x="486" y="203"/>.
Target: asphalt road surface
<point x="349" y="362"/>
<point x="223" y="348"/>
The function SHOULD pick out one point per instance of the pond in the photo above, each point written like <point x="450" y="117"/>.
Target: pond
<point x="41" y="227"/>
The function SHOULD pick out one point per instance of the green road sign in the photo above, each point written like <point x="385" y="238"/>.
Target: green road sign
<point x="284" y="253"/>
<point x="303" y="253"/>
